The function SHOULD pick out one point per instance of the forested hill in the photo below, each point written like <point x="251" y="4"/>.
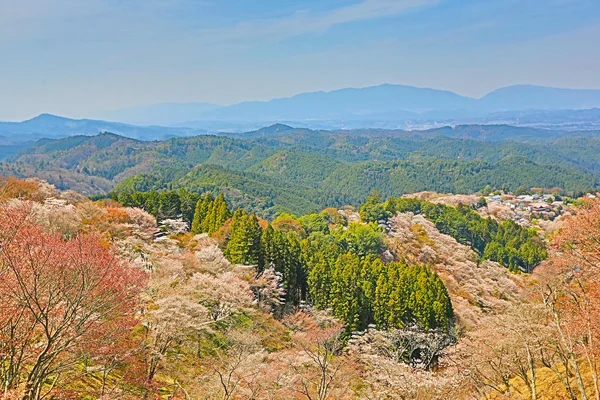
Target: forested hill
<point x="298" y="170"/>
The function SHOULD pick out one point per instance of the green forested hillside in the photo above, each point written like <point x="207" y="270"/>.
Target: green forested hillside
<point x="298" y="170"/>
<point x="400" y="177"/>
<point x="299" y="166"/>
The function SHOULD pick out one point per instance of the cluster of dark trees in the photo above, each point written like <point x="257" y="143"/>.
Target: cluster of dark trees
<point x="516" y="247"/>
<point x="320" y="258"/>
<point x="338" y="267"/>
<point x="363" y="290"/>
<point x="210" y="214"/>
<point x="334" y="265"/>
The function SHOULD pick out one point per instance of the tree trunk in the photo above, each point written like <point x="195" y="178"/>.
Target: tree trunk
<point x="532" y="372"/>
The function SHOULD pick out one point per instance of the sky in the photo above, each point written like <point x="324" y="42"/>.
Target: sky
<point x="79" y="58"/>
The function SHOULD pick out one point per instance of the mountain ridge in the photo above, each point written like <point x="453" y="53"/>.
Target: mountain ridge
<point x="305" y="169"/>
<point x="386" y="106"/>
<point x="386" y="102"/>
<point x="55" y="127"/>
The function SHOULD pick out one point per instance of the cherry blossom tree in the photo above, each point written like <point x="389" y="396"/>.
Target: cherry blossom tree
<point x="57" y="296"/>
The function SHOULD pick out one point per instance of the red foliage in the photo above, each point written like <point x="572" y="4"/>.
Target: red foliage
<point x="570" y="288"/>
<point x="59" y="299"/>
<point x="579" y="239"/>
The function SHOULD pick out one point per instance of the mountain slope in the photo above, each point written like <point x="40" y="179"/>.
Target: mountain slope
<point x="403" y="103"/>
<point x="52" y="126"/>
<point x="300" y="171"/>
<point x="345" y="103"/>
<point x="384" y="106"/>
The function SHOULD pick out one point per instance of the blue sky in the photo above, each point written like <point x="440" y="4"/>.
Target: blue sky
<point x="81" y="57"/>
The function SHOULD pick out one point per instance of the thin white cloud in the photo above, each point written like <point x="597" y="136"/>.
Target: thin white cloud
<point x="33" y="19"/>
<point x="306" y="22"/>
<point x="91" y="19"/>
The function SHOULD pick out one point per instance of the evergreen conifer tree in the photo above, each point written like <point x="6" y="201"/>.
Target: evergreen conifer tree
<point x="267" y="249"/>
<point x="244" y="247"/>
<point x="200" y="213"/>
<point x="218" y="212"/>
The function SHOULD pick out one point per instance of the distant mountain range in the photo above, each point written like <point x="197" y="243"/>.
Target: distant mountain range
<point x="54" y="127"/>
<point x="392" y="107"/>
<point x="385" y="104"/>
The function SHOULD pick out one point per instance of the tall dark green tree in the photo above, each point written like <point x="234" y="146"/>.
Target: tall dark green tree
<point x="319" y="254"/>
<point x="218" y="212"/>
<point x="125" y="199"/>
<point x="268" y="251"/>
<point x="414" y="294"/>
<point x="200" y="213"/>
<point x="244" y="246"/>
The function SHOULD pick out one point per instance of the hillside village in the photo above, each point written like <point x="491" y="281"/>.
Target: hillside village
<point x="530" y="210"/>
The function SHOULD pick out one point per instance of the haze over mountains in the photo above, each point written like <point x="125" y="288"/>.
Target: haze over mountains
<point x="384" y="107"/>
<point x="372" y="104"/>
<point x="52" y="126"/>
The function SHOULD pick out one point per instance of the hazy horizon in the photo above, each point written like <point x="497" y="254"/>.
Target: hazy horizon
<point x="73" y="59"/>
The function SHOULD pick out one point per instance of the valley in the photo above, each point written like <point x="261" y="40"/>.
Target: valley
<point x="282" y="169"/>
<point x="266" y="302"/>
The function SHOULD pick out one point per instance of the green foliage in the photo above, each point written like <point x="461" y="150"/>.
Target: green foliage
<point x="244" y="246"/>
<point x="200" y="212"/>
<point x="487" y="190"/>
<point x="187" y="203"/>
<point x="217" y="213"/>
<point x="363" y="239"/>
<point x="373" y="210"/>
<point x="169" y="205"/>
<point x="351" y="297"/>
<point x="363" y="290"/>
<point x="298" y="166"/>
<point x="163" y="205"/>
<point x="515" y="247"/>
<point x="139" y="183"/>
<point x="333" y="217"/>
<point x="315" y="223"/>
<point x="482" y="202"/>
<point x="320" y="252"/>
<point x="411" y="295"/>
<point x="508" y="243"/>
<point x="282" y="252"/>
<point x="522" y="190"/>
